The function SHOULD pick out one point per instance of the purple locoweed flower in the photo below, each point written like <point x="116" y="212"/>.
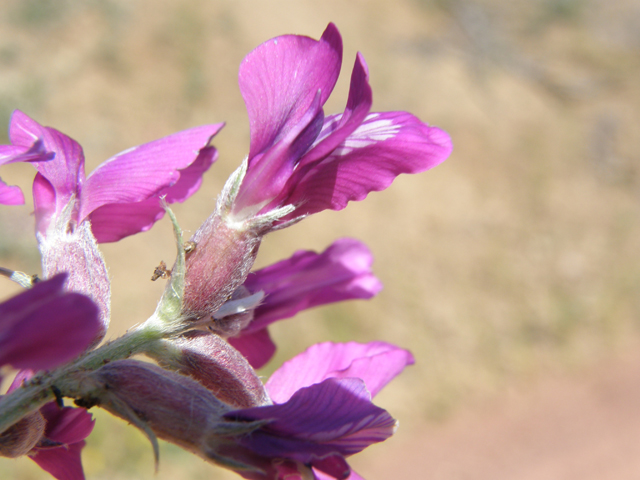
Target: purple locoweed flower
<point x="301" y="158"/>
<point x="300" y="162"/>
<point x="305" y="280"/>
<point x="58" y="452"/>
<point x="56" y="436"/>
<point x="44" y="327"/>
<point x="322" y="411"/>
<point x="12" y="195"/>
<point x="121" y="197"/>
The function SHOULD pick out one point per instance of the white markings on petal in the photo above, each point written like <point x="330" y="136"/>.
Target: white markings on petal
<point x="371" y="131"/>
<point x="32" y="135"/>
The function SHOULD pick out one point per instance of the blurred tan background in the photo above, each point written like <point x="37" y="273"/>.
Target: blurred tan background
<point x="511" y="271"/>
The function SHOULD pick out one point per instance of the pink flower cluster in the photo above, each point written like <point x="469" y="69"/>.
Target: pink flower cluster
<point x="204" y="394"/>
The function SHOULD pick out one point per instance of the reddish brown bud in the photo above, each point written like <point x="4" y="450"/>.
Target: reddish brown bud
<point x="22" y="436"/>
<point x="218" y="366"/>
<point x="170" y="406"/>
<point x="217" y="266"/>
<point x="176" y="408"/>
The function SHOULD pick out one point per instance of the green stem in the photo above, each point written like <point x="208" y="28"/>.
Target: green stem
<point x="38" y="390"/>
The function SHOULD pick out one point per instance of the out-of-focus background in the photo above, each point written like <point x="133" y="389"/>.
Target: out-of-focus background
<point x="511" y="271"/>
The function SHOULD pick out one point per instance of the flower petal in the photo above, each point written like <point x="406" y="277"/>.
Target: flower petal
<point x="268" y="172"/>
<point x="384" y="146"/>
<point x="44" y="326"/>
<point x="358" y="106"/>
<point x="309" y="279"/>
<point x="64" y="463"/>
<point x="334" y="465"/>
<point x="323" y="476"/>
<point x="10" y="195"/>
<point x="65" y="172"/>
<point x="116" y="221"/>
<point x="113" y="222"/>
<point x="66" y="425"/>
<point x="279" y="80"/>
<point x="25" y="153"/>
<point x="144" y="171"/>
<point x="376" y="363"/>
<point x="335" y="417"/>
<point x="257" y="347"/>
<point x="44" y="201"/>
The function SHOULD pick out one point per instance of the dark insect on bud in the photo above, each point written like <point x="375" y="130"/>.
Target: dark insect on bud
<point x="161" y="271"/>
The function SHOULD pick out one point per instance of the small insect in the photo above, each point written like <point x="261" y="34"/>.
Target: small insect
<point x="161" y="271"/>
<point x="189" y="246"/>
<point x="58" y="394"/>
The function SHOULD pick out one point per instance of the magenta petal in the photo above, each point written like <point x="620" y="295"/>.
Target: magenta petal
<point x="111" y="223"/>
<point x="384" y="146"/>
<point x="141" y="172"/>
<point x="191" y="177"/>
<point x="267" y="173"/>
<point x="37" y="152"/>
<point x="376" y="363"/>
<point x="329" y="418"/>
<point x="308" y="279"/>
<point x="279" y="80"/>
<point x="44" y="201"/>
<point x="323" y="476"/>
<point x="257" y="347"/>
<point x="10" y="195"/>
<point x="65" y="172"/>
<point x="66" y="425"/>
<point x="44" y="327"/>
<point x="358" y="105"/>
<point x="63" y="463"/>
<point x="334" y="465"/>
<point x="21" y="377"/>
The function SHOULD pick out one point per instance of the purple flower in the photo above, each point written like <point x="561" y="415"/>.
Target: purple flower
<point x="322" y="410"/>
<point x="45" y="327"/>
<point x="300" y="162"/>
<point x="300" y="157"/>
<point x="306" y="280"/>
<point x="60" y="440"/>
<point x="59" y="451"/>
<point x="42" y="328"/>
<point x="20" y="153"/>
<point x="121" y="197"/>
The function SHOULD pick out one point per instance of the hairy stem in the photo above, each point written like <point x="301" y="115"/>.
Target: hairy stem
<point x="39" y="389"/>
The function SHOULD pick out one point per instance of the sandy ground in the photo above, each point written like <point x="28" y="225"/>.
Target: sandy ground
<point x="584" y="427"/>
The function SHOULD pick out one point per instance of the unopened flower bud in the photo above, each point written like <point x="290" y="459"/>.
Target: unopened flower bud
<point x="219" y="264"/>
<point x="176" y="408"/>
<point x="167" y="405"/>
<point x="218" y="366"/>
<point x="22" y="436"/>
<point x="77" y="254"/>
